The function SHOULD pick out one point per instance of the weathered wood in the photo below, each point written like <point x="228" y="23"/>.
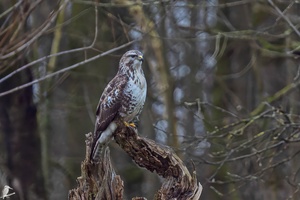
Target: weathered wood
<point x="179" y="183"/>
<point x="99" y="181"/>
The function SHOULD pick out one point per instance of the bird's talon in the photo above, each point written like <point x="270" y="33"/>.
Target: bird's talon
<point x="130" y="124"/>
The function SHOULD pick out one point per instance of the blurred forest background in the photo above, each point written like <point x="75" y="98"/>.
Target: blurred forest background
<point x="223" y="91"/>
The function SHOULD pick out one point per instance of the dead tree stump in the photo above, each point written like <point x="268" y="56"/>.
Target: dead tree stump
<point x="99" y="180"/>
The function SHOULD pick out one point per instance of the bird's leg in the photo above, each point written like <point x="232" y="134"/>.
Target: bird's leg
<point x="130" y="124"/>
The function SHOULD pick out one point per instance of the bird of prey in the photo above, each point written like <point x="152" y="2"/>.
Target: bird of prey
<point x="5" y="192"/>
<point x="123" y="97"/>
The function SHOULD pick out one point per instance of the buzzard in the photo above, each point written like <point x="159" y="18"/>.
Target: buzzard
<point x="123" y="97"/>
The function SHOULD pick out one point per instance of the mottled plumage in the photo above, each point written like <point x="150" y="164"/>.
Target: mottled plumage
<point x="124" y="97"/>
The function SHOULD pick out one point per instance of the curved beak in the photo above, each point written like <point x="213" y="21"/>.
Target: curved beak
<point x="140" y="58"/>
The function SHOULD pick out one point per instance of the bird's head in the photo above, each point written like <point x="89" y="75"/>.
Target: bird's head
<point x="131" y="60"/>
<point x="7" y="187"/>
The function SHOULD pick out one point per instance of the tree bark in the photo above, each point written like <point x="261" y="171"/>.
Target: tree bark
<point x="99" y="180"/>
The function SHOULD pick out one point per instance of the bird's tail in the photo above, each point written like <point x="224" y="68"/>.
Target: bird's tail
<point x="102" y="141"/>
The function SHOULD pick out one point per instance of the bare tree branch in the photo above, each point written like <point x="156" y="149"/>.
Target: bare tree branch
<point x="284" y="17"/>
<point x="179" y="183"/>
<point x="67" y="68"/>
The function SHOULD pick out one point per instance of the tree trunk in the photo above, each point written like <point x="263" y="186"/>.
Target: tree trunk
<point x="22" y="142"/>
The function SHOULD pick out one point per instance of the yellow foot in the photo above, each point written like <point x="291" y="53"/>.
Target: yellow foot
<point x="130" y="124"/>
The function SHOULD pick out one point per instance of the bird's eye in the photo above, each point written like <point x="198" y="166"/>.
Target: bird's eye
<point x="133" y="56"/>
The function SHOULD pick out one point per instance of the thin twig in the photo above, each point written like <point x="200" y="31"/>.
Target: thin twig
<point x="66" y="69"/>
<point x="10" y="9"/>
<point x="36" y="34"/>
<point x="57" y="54"/>
<point x="284" y="17"/>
